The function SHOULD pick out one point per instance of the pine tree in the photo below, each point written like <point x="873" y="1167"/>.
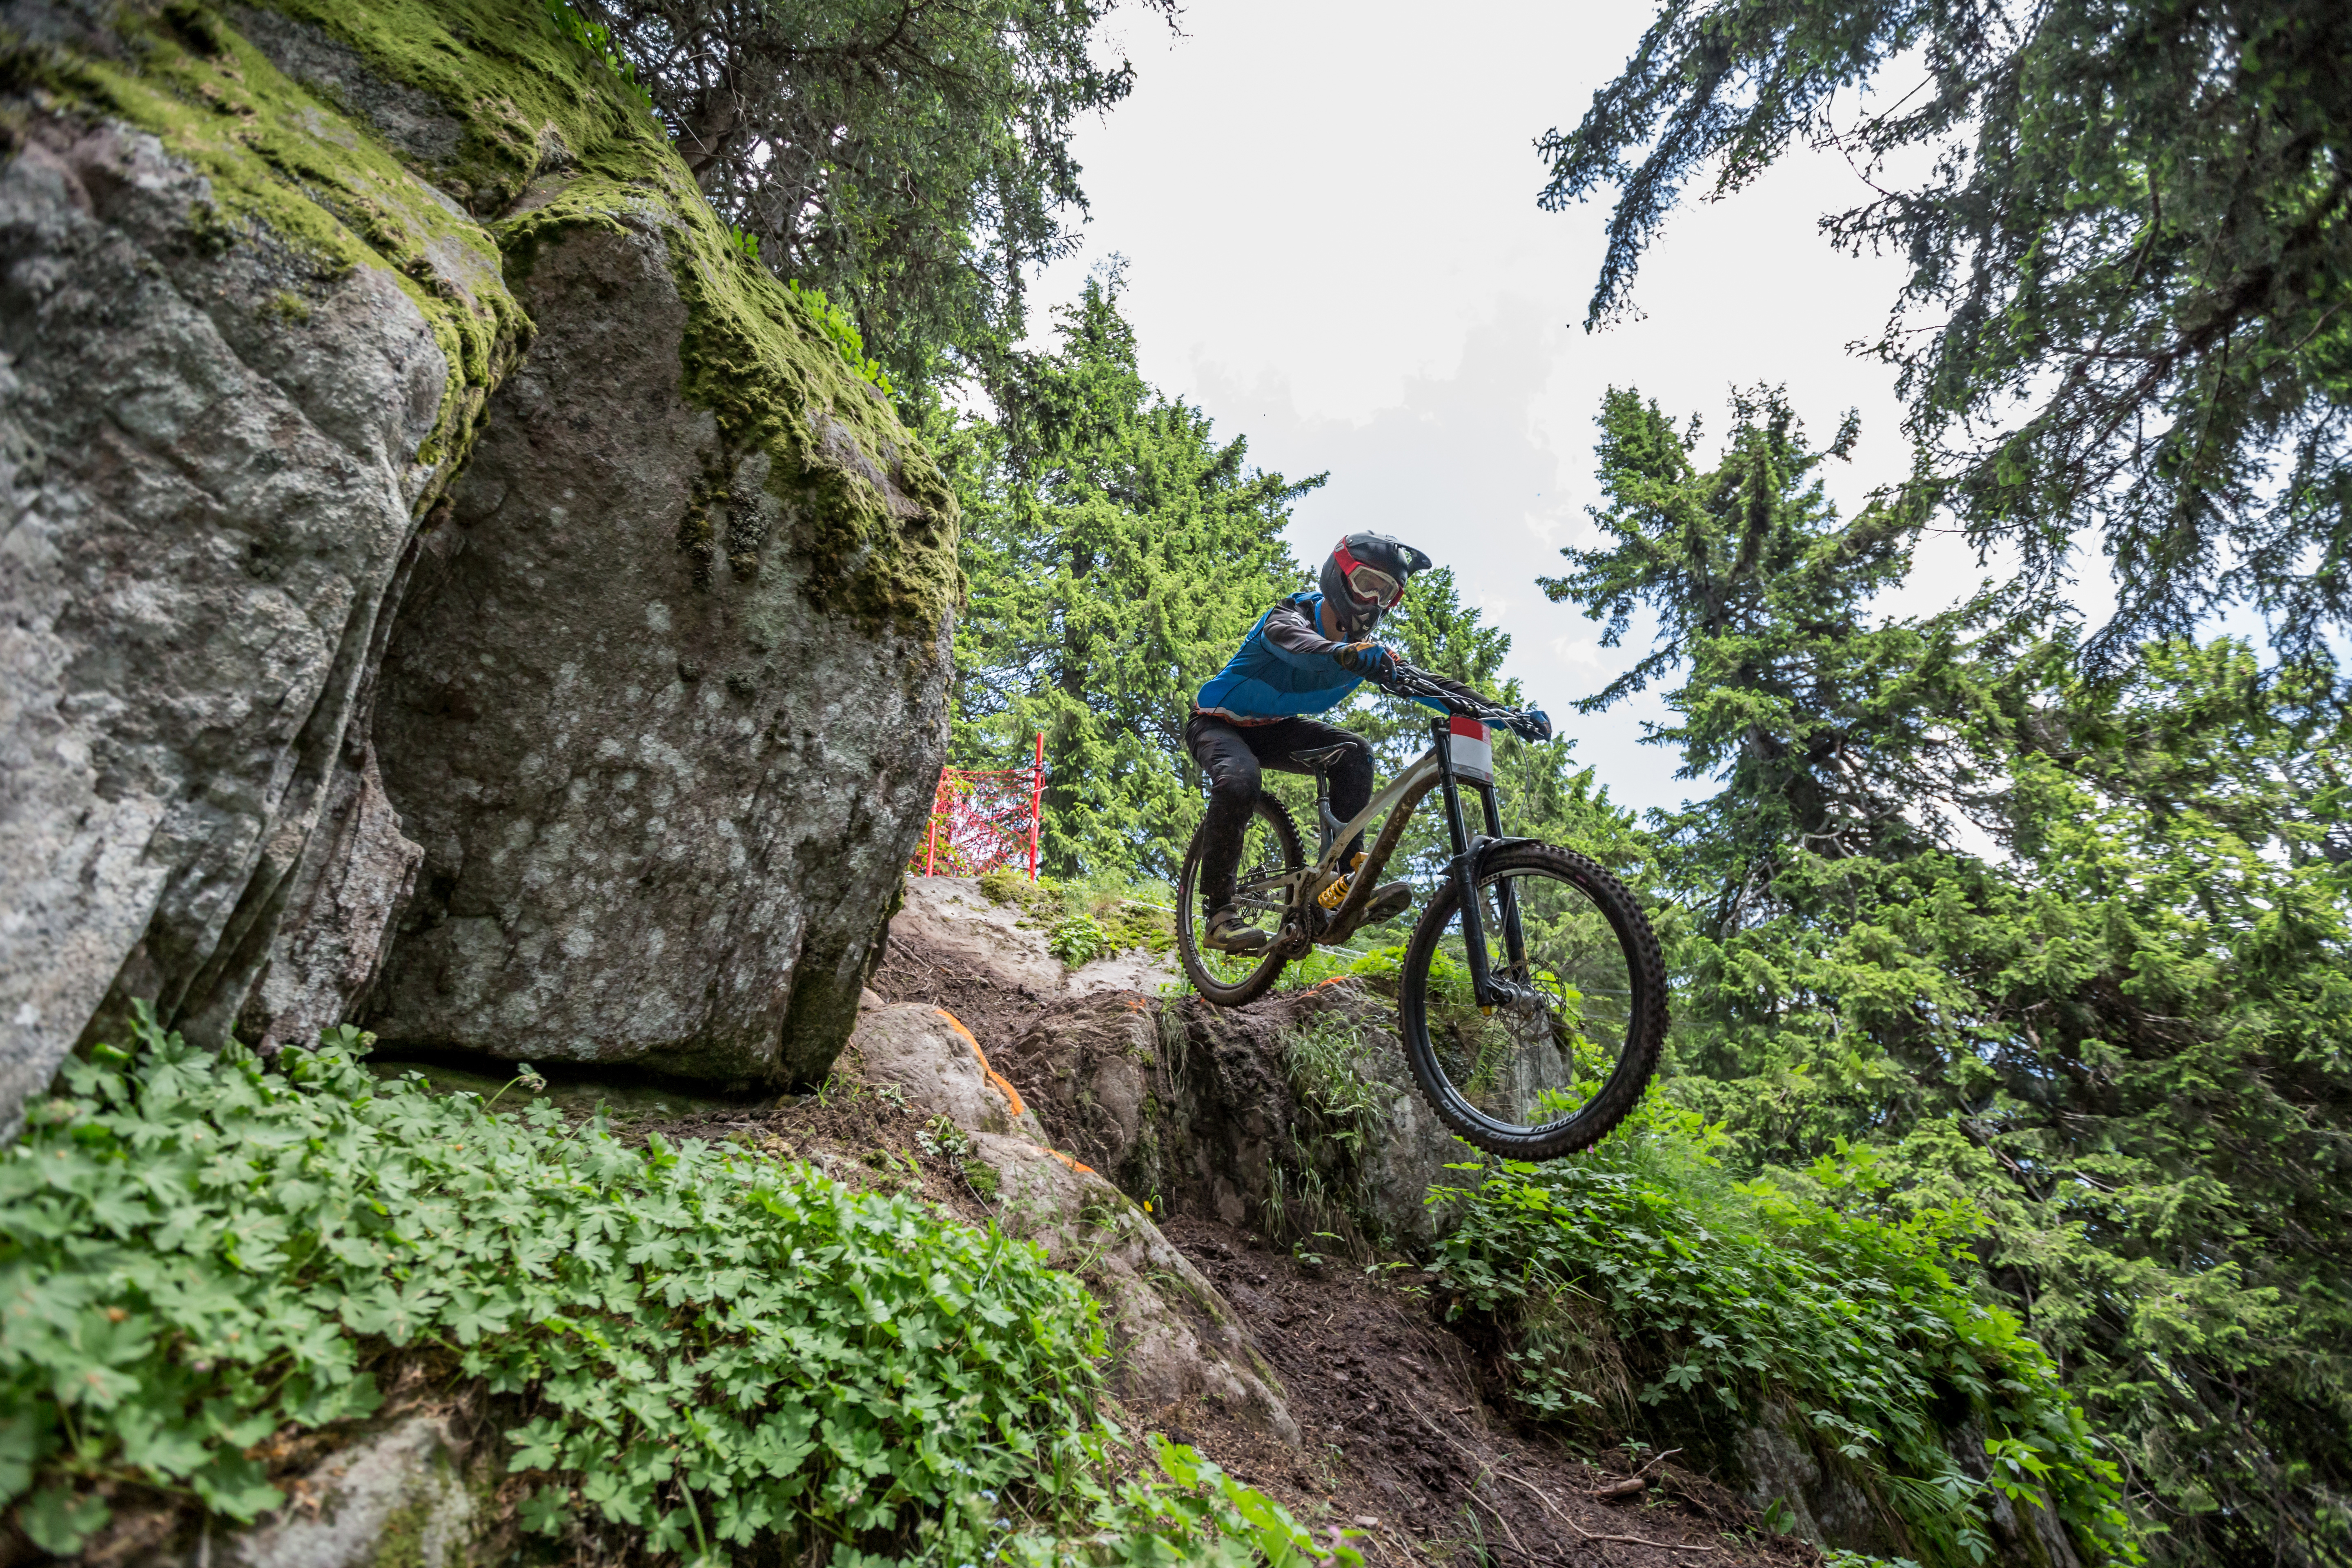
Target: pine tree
<point x="2129" y="242"/>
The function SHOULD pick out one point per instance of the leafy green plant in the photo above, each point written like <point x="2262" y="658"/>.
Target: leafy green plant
<point x="1200" y="1515"/>
<point x="1716" y="1293"/>
<point x="704" y="1348"/>
<point x="597" y="39"/>
<point x="1076" y="938"/>
<point x="830" y="322"/>
<point x="1324" y="1062"/>
<point x="1103" y="911"/>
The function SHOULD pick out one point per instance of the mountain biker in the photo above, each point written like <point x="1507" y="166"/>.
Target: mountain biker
<point x="1307" y="654"/>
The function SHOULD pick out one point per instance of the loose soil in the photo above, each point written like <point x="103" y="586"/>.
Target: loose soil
<point x="1405" y="1440"/>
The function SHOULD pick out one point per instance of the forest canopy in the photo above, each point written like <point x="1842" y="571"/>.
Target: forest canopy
<point x="911" y="160"/>
<point x="1971" y="928"/>
<point x="2129" y="251"/>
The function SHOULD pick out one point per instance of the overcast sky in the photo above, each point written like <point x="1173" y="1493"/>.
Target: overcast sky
<point x="1332" y="245"/>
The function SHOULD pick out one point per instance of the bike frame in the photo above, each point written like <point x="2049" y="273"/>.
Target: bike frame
<point x="1434" y="769"/>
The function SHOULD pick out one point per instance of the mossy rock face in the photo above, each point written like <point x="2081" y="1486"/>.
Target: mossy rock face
<point x="266" y="272"/>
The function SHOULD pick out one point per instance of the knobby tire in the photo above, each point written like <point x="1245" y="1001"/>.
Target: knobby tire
<point x="1645" y="1037"/>
<point x="1191" y="924"/>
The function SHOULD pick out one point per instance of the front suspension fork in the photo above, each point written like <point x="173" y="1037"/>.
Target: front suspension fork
<point x="1489" y="991"/>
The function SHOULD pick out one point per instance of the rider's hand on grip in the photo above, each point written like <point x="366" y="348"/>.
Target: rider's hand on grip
<point x="1368" y="659"/>
<point x="1535" y="724"/>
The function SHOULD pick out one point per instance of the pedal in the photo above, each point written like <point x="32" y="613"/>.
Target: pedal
<point x="1392" y="898"/>
<point x="1389" y="899"/>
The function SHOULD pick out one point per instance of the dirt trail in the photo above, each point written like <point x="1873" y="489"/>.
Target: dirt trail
<point x="1405" y="1433"/>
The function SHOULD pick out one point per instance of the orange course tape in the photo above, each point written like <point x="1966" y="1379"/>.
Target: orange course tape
<point x="1001" y="1082"/>
<point x="998" y="1078"/>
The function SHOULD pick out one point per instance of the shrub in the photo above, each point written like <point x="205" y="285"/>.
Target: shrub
<point x="1074" y="939"/>
<point x="1638" y="1261"/>
<point x="698" y="1347"/>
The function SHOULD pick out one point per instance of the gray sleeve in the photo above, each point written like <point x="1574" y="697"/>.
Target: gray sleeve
<point x="1293" y="637"/>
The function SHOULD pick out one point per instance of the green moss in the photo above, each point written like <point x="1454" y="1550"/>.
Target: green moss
<point x="776" y="382"/>
<point x="521" y="92"/>
<point x="283" y="158"/>
<point x="981" y="1177"/>
<point x="400" y="1541"/>
<point x="757" y="355"/>
<point x="837" y="450"/>
<point x="877" y="522"/>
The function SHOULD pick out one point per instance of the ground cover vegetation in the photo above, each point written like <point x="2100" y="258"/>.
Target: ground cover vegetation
<point x="1641" y="1290"/>
<point x="2130" y="234"/>
<point x="2074" y="952"/>
<point x="694" y="1351"/>
<point x="1086" y="920"/>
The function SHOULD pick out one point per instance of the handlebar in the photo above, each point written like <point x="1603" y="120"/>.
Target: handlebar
<point x="1410" y="681"/>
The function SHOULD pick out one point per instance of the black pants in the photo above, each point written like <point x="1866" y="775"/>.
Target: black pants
<point x="1233" y="754"/>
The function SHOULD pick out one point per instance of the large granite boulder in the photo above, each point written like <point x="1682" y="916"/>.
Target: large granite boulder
<point x="261" y="272"/>
<point x="664" y="770"/>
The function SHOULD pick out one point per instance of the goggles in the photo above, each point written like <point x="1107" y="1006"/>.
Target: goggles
<point x="1370" y="585"/>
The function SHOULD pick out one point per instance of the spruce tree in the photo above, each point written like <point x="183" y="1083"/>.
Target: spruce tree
<point x="2128" y="242"/>
<point x="2123" y="1036"/>
<point x="1116" y="551"/>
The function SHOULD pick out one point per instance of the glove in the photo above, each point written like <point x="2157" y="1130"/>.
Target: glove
<point x="1535" y="724"/>
<point x="1368" y="659"/>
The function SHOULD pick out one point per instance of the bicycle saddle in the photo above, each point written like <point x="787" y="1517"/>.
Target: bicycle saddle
<point x="1321" y="757"/>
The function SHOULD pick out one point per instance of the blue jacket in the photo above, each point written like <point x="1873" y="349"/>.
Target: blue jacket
<point x="1285" y="666"/>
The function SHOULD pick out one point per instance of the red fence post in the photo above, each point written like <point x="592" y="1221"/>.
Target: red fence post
<point x="931" y="838"/>
<point x="1036" y="799"/>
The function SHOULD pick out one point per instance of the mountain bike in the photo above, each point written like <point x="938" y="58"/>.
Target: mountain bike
<point x="1531" y="994"/>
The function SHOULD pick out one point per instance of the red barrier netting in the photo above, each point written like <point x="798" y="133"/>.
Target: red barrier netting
<point x="982" y="818"/>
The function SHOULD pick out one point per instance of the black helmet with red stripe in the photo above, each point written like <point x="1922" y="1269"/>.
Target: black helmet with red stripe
<point x="1364" y="577"/>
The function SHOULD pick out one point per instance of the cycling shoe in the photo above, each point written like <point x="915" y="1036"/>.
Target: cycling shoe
<point x="1388" y="899"/>
<point x="1228" y="933"/>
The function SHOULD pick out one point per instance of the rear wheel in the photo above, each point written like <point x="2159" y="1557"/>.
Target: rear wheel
<point x="1553" y="1071"/>
<point x="1269" y="852"/>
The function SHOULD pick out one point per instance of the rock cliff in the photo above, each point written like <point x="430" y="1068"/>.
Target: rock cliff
<point x="446" y="581"/>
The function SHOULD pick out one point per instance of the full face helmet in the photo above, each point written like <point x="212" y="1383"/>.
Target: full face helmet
<point x="1365" y="577"/>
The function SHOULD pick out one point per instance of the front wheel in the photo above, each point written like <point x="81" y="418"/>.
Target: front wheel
<point x="1553" y="1071"/>
<point x="1270" y="854"/>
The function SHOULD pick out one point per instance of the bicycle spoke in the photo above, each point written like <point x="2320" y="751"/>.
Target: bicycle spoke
<point x="1261" y="900"/>
<point x="1538" y="1061"/>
